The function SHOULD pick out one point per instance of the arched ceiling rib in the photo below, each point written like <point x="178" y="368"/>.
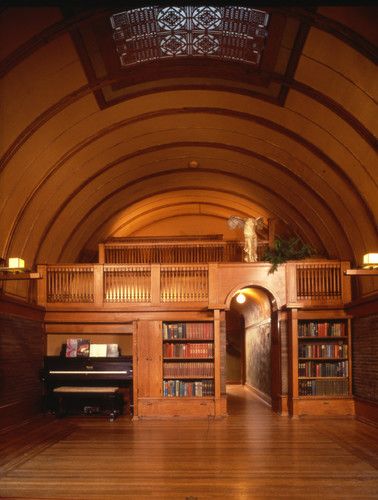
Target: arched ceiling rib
<point x="72" y="172"/>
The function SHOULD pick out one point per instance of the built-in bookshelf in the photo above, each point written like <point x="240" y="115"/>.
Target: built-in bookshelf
<point x="188" y="359"/>
<point x="323" y="358"/>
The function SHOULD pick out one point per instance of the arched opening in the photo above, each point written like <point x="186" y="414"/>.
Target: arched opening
<point x="251" y="358"/>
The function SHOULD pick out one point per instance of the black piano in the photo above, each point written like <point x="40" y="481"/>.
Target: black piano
<point x="83" y="383"/>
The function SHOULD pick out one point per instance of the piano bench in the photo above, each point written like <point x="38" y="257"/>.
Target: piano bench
<point x="66" y="395"/>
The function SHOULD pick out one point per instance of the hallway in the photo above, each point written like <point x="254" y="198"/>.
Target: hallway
<point x="252" y="454"/>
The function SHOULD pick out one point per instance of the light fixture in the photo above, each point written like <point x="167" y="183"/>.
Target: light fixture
<point x="240" y="298"/>
<point x="16" y="263"/>
<point x="370" y="261"/>
<point x="369" y="266"/>
<point x="16" y="270"/>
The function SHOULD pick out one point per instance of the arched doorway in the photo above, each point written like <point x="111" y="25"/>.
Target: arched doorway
<point x="252" y="360"/>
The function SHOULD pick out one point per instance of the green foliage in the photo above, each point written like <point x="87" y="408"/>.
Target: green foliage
<point x="284" y="250"/>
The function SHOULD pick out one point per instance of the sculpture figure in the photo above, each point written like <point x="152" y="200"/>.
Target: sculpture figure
<point x="249" y="226"/>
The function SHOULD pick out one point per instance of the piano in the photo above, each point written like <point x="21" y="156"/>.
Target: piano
<point x="85" y="372"/>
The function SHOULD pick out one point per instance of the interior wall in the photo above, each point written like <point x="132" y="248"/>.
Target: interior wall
<point x="365" y="356"/>
<point x="234" y="347"/>
<point x="258" y="330"/>
<point x="22" y="346"/>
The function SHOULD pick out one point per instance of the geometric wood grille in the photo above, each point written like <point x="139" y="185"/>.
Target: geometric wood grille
<point x="151" y="33"/>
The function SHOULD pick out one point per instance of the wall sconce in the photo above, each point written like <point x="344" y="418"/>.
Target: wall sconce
<point x="369" y="266"/>
<point x="370" y="261"/>
<point x="16" y="264"/>
<point x="16" y="270"/>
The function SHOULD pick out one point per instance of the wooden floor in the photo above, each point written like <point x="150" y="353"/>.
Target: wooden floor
<point x="250" y="455"/>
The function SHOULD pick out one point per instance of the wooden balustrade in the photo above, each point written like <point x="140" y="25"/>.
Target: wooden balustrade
<point x="171" y="252"/>
<point x="184" y="284"/>
<point x="70" y="284"/>
<point x="127" y="284"/>
<point x="319" y="283"/>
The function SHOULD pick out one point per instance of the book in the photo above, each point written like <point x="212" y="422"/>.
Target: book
<point x="97" y="350"/>
<point x="112" y="350"/>
<point x="83" y="347"/>
<point x="71" y="348"/>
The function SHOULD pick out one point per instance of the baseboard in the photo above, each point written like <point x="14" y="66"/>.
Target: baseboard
<point x="261" y="395"/>
<point x="366" y="411"/>
<point x="17" y="412"/>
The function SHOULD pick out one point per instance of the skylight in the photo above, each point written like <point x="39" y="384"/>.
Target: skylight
<point x="151" y="33"/>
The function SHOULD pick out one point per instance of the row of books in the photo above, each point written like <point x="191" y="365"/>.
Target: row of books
<point x="180" y="369"/>
<point x="76" y="348"/>
<point x="188" y="331"/>
<point x="181" y="388"/>
<point x="321" y="329"/>
<point x="322" y="369"/>
<point x="334" y="350"/>
<point x="188" y="350"/>
<point x="323" y="387"/>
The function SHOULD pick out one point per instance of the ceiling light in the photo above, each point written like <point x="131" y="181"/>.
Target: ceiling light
<point x="240" y="298"/>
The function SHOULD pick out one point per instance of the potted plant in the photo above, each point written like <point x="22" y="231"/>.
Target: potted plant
<point x="286" y="249"/>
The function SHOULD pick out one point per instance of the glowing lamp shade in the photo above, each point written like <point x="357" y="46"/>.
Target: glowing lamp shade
<point x="240" y="298"/>
<point x="370" y="260"/>
<point x="16" y="263"/>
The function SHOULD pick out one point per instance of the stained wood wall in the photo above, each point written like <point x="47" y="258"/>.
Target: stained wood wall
<point x="22" y="347"/>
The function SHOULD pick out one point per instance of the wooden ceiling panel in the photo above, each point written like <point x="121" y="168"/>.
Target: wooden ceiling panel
<point x="73" y="171"/>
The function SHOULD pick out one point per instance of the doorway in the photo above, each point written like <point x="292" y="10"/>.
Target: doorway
<point x="249" y="328"/>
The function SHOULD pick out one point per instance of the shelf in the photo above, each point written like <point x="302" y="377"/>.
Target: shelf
<point x="323" y="359"/>
<point x="322" y="378"/>
<point x="188" y="359"/>
<point x="188" y="377"/>
<point x="195" y="398"/>
<point x="343" y="337"/>
<point x="326" y="396"/>
<point x="5" y="276"/>
<point x="361" y="272"/>
<point x="182" y="341"/>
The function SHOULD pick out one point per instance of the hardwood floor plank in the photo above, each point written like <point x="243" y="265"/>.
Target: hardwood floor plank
<point x="251" y="454"/>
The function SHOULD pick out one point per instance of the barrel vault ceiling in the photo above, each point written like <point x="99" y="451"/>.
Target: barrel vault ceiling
<point x="101" y="138"/>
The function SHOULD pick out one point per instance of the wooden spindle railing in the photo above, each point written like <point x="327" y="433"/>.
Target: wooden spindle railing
<point x="127" y="284"/>
<point x="307" y="283"/>
<point x="70" y="284"/>
<point x="184" y="284"/>
<point x="171" y="252"/>
<point x="320" y="281"/>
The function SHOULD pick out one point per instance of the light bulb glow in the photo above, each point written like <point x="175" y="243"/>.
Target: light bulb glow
<point x="240" y="298"/>
<point x="370" y="260"/>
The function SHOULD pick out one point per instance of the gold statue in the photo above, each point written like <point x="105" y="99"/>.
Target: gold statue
<point x="249" y="226"/>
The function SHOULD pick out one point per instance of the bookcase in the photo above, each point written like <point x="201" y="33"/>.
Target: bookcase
<point x="188" y="359"/>
<point x="321" y="363"/>
<point x="178" y="366"/>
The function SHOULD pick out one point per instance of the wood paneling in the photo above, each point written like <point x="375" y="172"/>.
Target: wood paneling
<point x="21" y="353"/>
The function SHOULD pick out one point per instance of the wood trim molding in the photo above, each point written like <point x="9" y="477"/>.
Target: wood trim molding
<point x="261" y="395"/>
<point x="363" y="306"/>
<point x="14" y="307"/>
<point x="366" y="411"/>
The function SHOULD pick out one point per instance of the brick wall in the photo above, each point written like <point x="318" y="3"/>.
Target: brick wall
<point x="365" y="357"/>
<point x="21" y="356"/>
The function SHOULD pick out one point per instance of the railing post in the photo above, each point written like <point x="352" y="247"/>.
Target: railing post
<point x="346" y="289"/>
<point x="42" y="285"/>
<point x="101" y="253"/>
<point x="213" y="286"/>
<point x="155" y="284"/>
<point x="98" y="284"/>
<point x="291" y="282"/>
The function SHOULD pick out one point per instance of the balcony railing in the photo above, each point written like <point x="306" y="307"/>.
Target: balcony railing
<point x="315" y="283"/>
